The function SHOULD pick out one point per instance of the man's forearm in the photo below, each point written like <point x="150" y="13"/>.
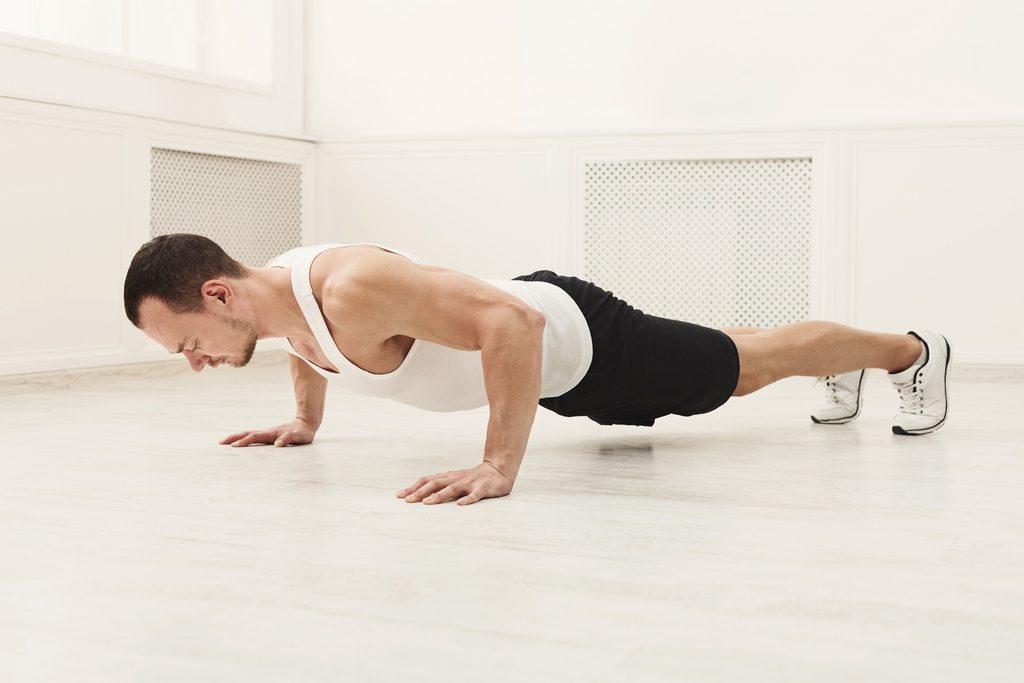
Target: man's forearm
<point x="512" y="376"/>
<point x="310" y="393"/>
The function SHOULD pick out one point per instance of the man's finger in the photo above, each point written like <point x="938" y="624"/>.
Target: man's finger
<point x="249" y="439"/>
<point x="283" y="440"/>
<point x="415" y="485"/>
<point x="233" y="437"/>
<point x="470" y="499"/>
<point x="444" y="495"/>
<point x="424" y="491"/>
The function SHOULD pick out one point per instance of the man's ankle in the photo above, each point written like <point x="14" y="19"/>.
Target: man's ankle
<point x="912" y="354"/>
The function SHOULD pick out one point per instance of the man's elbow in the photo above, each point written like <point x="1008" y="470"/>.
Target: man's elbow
<point x="537" y="319"/>
<point x="533" y="319"/>
<point x="524" y="316"/>
<point x="528" y="320"/>
<point x="525" y="322"/>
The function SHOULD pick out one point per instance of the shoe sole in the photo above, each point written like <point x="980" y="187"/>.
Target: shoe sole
<point x="838" y="421"/>
<point x="896" y="429"/>
<point x="860" y="402"/>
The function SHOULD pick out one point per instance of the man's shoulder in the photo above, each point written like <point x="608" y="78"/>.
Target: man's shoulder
<point x="354" y="286"/>
<point x="341" y="268"/>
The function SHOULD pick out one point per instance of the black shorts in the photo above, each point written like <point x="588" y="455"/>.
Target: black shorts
<point x="644" y="367"/>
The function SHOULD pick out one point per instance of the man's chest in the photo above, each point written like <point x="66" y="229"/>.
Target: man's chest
<point x="380" y="358"/>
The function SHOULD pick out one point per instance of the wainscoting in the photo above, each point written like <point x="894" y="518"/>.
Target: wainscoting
<point x="888" y="229"/>
<point x="76" y="187"/>
<point x="906" y="227"/>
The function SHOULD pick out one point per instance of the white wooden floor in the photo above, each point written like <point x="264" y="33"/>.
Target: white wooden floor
<point x="744" y="545"/>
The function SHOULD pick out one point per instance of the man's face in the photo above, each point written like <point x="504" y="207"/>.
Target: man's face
<point x="210" y="337"/>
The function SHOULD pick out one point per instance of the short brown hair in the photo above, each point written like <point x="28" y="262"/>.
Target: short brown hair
<point x="172" y="268"/>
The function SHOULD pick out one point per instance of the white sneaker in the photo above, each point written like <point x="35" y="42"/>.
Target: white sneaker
<point x="923" y="388"/>
<point x="843" y="398"/>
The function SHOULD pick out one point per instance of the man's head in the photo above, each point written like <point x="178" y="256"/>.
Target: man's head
<point x="182" y="291"/>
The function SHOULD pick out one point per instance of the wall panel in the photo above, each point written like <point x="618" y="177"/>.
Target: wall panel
<point x="75" y="186"/>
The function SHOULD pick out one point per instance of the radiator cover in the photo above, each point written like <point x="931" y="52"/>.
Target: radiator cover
<point x="715" y="242"/>
<point x="250" y="207"/>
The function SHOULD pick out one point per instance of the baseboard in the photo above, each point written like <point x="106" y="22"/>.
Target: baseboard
<point x="69" y="379"/>
<point x="75" y="378"/>
<point x="978" y="372"/>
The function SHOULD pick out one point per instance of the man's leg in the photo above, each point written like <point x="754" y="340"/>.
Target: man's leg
<point x="815" y="348"/>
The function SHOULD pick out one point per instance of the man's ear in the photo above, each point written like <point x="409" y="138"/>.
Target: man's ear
<point x="218" y="289"/>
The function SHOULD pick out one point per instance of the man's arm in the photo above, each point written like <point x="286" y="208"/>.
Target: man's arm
<point x="385" y="295"/>
<point x="511" y="356"/>
<point x="310" y="392"/>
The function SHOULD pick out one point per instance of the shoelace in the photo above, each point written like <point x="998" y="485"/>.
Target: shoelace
<point x="911" y="397"/>
<point x="831" y="398"/>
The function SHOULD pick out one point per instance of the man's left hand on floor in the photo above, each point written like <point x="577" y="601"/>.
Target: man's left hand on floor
<point x="465" y="486"/>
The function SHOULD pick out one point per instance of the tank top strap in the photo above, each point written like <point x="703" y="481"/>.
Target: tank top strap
<point x="303" y="289"/>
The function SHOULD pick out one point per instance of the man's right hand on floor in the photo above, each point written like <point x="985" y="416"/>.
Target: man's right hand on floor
<point x="292" y="433"/>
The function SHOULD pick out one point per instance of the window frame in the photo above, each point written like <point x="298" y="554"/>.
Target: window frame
<point x="87" y="79"/>
<point x="132" y="64"/>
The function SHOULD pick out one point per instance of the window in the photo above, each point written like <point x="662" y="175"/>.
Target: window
<point x="221" y="38"/>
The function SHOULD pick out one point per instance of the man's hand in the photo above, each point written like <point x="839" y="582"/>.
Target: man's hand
<point x="296" y="432"/>
<point x="477" y="483"/>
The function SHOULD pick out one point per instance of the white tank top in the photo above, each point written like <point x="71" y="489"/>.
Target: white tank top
<point x="437" y="377"/>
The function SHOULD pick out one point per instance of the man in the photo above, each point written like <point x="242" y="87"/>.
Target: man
<point x="381" y="322"/>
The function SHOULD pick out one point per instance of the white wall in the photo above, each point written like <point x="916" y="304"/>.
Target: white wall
<point x="75" y="192"/>
<point x="76" y="130"/>
<point x="914" y="228"/>
<point x="454" y="68"/>
<point x="455" y="129"/>
<point x="916" y="224"/>
<point x="490" y="209"/>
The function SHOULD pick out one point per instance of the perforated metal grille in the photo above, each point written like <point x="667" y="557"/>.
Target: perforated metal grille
<point x="251" y="208"/>
<point x="715" y="242"/>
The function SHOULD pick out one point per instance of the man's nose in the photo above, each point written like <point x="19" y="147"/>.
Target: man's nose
<point x="198" y="362"/>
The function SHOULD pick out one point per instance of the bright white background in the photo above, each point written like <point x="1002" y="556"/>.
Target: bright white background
<point x="455" y="129"/>
<point x="231" y="38"/>
<point x="453" y="68"/>
<point x="222" y="63"/>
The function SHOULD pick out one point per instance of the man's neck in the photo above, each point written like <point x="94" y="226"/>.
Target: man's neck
<point x="277" y="312"/>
